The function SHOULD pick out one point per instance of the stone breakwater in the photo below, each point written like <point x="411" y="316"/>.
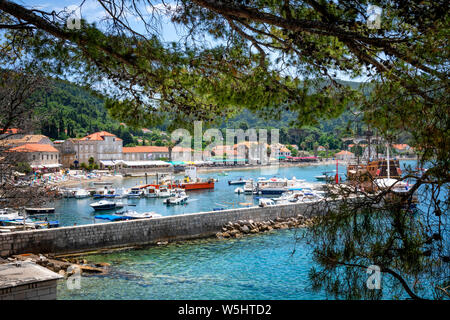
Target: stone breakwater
<point x="245" y="227"/>
<point x="104" y="236"/>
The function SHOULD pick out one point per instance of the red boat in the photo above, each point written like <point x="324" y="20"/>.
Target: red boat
<point x="190" y="182"/>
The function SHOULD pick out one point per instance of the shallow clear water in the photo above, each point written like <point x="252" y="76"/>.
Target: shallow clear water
<point x="254" y="267"/>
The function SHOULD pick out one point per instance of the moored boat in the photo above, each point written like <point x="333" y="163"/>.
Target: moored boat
<point x="106" y="205"/>
<point x="81" y="193"/>
<point x="179" y="198"/>
<point x="39" y="210"/>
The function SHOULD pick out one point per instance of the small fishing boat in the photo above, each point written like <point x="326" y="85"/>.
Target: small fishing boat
<point x="179" y="198"/>
<point x="237" y="182"/>
<point x="81" y="194"/>
<point x="151" y="192"/>
<point x="164" y="192"/>
<point x="9" y="214"/>
<point x="239" y="190"/>
<point x="134" y="192"/>
<point x="249" y="187"/>
<point x="266" y="202"/>
<point x="141" y="215"/>
<point x="39" y="210"/>
<point x="102" y="183"/>
<point x="106" y="205"/>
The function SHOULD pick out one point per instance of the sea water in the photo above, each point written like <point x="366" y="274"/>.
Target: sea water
<point x="268" y="266"/>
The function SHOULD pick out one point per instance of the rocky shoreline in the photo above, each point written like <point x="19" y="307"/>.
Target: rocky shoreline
<point x="244" y="227"/>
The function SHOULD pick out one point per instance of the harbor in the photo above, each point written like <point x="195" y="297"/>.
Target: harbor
<point x="77" y="211"/>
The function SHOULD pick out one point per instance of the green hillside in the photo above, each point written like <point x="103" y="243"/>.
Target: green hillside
<point x="66" y="111"/>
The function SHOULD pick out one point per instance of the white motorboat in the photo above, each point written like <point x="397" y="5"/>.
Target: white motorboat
<point x="106" y="205"/>
<point x="9" y="214"/>
<point x="266" y="202"/>
<point x="237" y="182"/>
<point x="249" y="187"/>
<point x="179" y="198"/>
<point x="134" y="192"/>
<point x="164" y="192"/>
<point x="68" y="192"/>
<point x="81" y="193"/>
<point x="151" y="192"/>
<point x="141" y="215"/>
<point x="239" y="190"/>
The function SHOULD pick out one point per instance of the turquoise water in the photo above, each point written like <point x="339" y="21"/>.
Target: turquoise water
<point x="254" y="267"/>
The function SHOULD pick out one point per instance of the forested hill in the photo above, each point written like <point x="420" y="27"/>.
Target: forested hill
<point x="66" y="111"/>
<point x="69" y="111"/>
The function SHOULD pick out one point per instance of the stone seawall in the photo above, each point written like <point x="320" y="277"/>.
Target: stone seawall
<point x="141" y="232"/>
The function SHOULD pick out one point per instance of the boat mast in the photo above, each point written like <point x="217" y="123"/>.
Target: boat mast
<point x="388" y="165"/>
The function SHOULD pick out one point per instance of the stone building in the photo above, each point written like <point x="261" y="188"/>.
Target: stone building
<point x="101" y="146"/>
<point x="42" y="157"/>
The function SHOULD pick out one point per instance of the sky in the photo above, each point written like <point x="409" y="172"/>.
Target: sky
<point x="92" y="11"/>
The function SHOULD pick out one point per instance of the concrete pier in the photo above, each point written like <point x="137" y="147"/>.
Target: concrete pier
<point x="85" y="238"/>
<point x="27" y="281"/>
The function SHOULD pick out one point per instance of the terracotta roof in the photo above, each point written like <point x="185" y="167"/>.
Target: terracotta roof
<point x="146" y="149"/>
<point x="34" y="147"/>
<point x="10" y="130"/>
<point x="343" y="153"/>
<point x="98" y="136"/>
<point x="284" y="149"/>
<point x="400" y="146"/>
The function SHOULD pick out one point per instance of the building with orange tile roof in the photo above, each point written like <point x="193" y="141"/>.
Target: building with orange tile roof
<point x="20" y="139"/>
<point x="101" y="146"/>
<point x="42" y="157"/>
<point x="344" y="155"/>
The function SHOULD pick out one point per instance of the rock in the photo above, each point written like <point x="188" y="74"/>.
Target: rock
<point x="62" y="272"/>
<point x="225" y="235"/>
<point x="162" y="243"/>
<point x="233" y="232"/>
<point x="245" y="229"/>
<point x="269" y="228"/>
<point x="219" y="235"/>
<point x="103" y="264"/>
<point x="254" y="231"/>
<point x="224" y="229"/>
<point x="250" y="221"/>
<point x="238" y="235"/>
